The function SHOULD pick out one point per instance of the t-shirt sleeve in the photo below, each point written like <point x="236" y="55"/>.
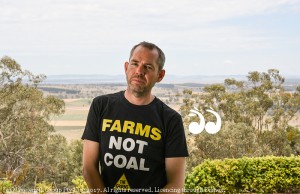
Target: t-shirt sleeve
<point x="91" y="131"/>
<point x="176" y="145"/>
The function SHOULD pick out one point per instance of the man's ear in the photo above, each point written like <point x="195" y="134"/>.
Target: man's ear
<point x="161" y="75"/>
<point x="126" y="66"/>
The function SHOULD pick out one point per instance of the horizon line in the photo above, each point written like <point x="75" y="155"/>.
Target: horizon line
<point x="190" y="75"/>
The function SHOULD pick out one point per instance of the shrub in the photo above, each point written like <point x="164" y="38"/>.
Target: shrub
<point x="80" y="184"/>
<point x="5" y="185"/>
<point x="260" y="175"/>
<point x="44" y="187"/>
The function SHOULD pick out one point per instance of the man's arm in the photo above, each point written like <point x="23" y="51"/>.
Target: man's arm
<point x="90" y="169"/>
<point x="175" y="168"/>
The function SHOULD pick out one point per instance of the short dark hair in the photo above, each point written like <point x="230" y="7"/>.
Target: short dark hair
<point x="161" y="56"/>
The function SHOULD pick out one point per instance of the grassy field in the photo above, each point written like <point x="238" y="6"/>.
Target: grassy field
<point x="72" y="122"/>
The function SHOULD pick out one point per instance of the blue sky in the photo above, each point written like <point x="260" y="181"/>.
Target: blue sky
<point x="199" y="37"/>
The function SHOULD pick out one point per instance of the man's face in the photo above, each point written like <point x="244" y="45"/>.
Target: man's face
<point x="142" y="71"/>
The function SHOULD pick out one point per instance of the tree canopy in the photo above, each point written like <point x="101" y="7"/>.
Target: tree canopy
<point x="29" y="151"/>
<point x="256" y="117"/>
<point x="256" y="121"/>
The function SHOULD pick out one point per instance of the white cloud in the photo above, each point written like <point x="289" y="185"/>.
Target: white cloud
<point x="169" y="10"/>
<point x="80" y="28"/>
<point x="228" y="62"/>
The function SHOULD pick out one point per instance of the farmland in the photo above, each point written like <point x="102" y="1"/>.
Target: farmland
<point x="72" y="122"/>
<point x="78" y="97"/>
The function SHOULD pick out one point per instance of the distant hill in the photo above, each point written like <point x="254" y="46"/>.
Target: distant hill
<point x="84" y="79"/>
<point x="169" y="79"/>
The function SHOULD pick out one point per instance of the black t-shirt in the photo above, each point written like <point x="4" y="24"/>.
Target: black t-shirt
<point x="134" y="141"/>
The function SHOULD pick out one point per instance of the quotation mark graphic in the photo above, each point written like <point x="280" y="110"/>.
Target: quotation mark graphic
<point x="210" y="127"/>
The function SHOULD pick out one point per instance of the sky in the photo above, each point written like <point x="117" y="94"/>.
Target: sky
<point x="198" y="37"/>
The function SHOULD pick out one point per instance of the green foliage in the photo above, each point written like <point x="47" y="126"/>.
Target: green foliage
<point x="75" y="161"/>
<point x="53" y="164"/>
<point x="80" y="184"/>
<point x="43" y="187"/>
<point x="24" y="128"/>
<point x="293" y="138"/>
<point x="255" y="117"/>
<point x="232" y="141"/>
<point x="255" y="114"/>
<point x="258" y="175"/>
<point x="29" y="150"/>
<point x="5" y="185"/>
<point x="261" y="102"/>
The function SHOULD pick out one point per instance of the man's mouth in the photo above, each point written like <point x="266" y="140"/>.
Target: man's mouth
<point x="138" y="80"/>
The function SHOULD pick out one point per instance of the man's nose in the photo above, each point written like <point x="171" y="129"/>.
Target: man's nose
<point x="140" y="70"/>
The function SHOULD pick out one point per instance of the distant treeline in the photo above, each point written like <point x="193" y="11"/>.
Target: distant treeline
<point x="161" y="85"/>
<point x="165" y="85"/>
<point x="59" y="90"/>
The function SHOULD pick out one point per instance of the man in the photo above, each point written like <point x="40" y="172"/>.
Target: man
<point x="138" y="140"/>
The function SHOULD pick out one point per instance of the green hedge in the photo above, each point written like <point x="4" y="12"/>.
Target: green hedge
<point x="259" y="175"/>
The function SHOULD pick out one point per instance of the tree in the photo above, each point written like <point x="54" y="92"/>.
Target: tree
<point x="234" y="140"/>
<point x="75" y="161"/>
<point x="259" y="107"/>
<point x="24" y="129"/>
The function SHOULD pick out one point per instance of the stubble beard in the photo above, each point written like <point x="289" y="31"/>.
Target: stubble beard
<point x="138" y="90"/>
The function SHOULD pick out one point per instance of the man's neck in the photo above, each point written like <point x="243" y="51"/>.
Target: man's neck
<point x="138" y="100"/>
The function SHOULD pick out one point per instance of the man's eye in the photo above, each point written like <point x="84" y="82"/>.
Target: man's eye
<point x="134" y="64"/>
<point x="149" y="67"/>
